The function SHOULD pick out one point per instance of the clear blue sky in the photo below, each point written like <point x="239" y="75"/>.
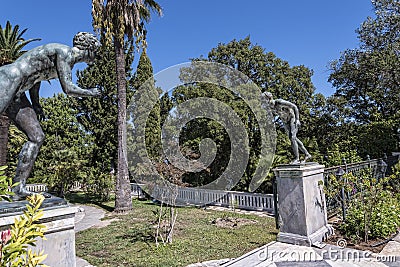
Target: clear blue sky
<point x="308" y="32"/>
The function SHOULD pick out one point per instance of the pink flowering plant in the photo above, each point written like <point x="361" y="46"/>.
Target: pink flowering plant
<point x="5" y="237"/>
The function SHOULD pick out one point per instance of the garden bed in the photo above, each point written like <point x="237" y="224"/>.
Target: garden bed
<point x="338" y="236"/>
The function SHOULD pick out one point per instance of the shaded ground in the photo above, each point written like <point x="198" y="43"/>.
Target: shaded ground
<point x="229" y="222"/>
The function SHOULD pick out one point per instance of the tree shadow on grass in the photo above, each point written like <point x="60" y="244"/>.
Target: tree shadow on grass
<point x="139" y="235"/>
<point x="84" y="199"/>
<point x="103" y="206"/>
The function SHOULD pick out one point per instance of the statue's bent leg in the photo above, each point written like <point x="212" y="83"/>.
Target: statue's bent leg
<point x="295" y="149"/>
<point x="24" y="117"/>
<point x="292" y="131"/>
<point x="304" y="150"/>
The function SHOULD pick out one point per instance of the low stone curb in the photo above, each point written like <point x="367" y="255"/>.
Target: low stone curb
<point x="211" y="263"/>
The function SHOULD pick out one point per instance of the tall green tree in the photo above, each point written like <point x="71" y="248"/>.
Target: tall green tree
<point x="11" y="47"/>
<point x="63" y="158"/>
<point x="271" y="74"/>
<point x="200" y="128"/>
<point x="98" y="115"/>
<point x="118" y="20"/>
<point x="367" y="80"/>
<point x="144" y="74"/>
<point x="368" y="76"/>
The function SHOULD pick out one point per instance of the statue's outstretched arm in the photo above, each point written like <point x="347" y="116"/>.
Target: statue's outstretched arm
<point x="34" y="96"/>
<point x="64" y="75"/>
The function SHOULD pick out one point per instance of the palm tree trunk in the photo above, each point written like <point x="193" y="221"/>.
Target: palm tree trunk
<point x="123" y="201"/>
<point x="4" y="125"/>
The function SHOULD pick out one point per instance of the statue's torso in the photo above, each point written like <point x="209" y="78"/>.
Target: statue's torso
<point x="284" y="112"/>
<point x="39" y="64"/>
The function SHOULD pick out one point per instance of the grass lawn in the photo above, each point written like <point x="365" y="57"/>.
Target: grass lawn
<point x="130" y="240"/>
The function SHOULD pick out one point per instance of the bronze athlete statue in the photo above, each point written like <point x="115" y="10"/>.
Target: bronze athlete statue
<point x="289" y="114"/>
<point x="42" y="63"/>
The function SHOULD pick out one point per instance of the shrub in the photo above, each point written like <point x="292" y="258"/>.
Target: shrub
<point x="5" y="185"/>
<point x="375" y="218"/>
<point x="373" y="211"/>
<point x="395" y="178"/>
<point x="14" y="242"/>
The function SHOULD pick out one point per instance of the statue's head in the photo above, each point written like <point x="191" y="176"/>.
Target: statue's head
<point x="87" y="42"/>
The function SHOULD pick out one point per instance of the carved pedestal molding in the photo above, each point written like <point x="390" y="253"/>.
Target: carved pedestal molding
<point x="301" y="202"/>
<point x="60" y="235"/>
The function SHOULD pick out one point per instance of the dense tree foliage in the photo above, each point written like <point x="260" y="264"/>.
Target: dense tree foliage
<point x="66" y="150"/>
<point x="270" y="74"/>
<point x="367" y="80"/>
<point x="144" y="75"/>
<point x="16" y="140"/>
<point x="275" y="75"/>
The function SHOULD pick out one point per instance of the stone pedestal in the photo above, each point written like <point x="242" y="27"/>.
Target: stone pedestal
<point x="60" y="235"/>
<point x="301" y="202"/>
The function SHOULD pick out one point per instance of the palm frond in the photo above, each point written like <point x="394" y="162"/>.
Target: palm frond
<point x="118" y="18"/>
<point x="12" y="43"/>
<point x="154" y="7"/>
<point x="14" y="34"/>
<point x="8" y="28"/>
<point x="2" y="39"/>
<point x="21" y="33"/>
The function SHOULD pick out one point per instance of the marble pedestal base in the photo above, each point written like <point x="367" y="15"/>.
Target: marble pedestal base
<point x="301" y="202"/>
<point x="60" y="235"/>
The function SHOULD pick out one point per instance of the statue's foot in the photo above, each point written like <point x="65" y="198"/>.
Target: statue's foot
<point x="21" y="195"/>
<point x="46" y="195"/>
<point x="307" y="157"/>
<point x="296" y="161"/>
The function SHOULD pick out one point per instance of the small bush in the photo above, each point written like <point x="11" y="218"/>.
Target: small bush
<point x="379" y="220"/>
<point x="374" y="209"/>
<point x="25" y="231"/>
<point x="14" y="251"/>
<point x="395" y="178"/>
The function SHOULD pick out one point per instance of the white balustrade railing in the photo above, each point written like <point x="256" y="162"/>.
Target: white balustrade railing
<point x="136" y="190"/>
<point x="76" y="186"/>
<point x="36" y="188"/>
<point x="200" y="197"/>
<point x="194" y="196"/>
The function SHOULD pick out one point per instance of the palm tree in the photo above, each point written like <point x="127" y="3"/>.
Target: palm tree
<point x="11" y="45"/>
<point x="117" y="21"/>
